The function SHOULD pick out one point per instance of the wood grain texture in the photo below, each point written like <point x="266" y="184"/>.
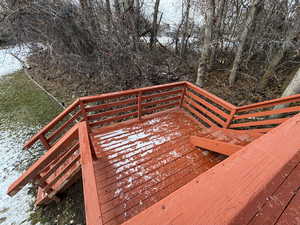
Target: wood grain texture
<point x="215" y="146"/>
<point x="238" y="183"/>
<point x="91" y="198"/>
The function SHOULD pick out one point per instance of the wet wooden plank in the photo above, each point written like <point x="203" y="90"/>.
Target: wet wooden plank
<point x="291" y="215"/>
<point x="156" y="168"/>
<point x="215" y="146"/>
<point x="91" y="198"/>
<point x="231" y="192"/>
<point x="277" y="204"/>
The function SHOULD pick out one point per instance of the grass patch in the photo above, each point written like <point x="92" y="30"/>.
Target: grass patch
<point x="23" y="102"/>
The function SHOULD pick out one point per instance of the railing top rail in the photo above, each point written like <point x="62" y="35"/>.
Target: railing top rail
<point x="36" y="168"/>
<point x="50" y="125"/>
<point x="218" y="100"/>
<point x="91" y="197"/>
<point x="268" y="103"/>
<point x="129" y="92"/>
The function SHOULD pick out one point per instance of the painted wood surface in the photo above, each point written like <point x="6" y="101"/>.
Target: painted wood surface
<point x="215" y="146"/>
<point x="91" y="198"/>
<point x="234" y="190"/>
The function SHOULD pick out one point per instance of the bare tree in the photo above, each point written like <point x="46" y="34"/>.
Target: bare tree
<point x="185" y="28"/>
<point x="292" y="33"/>
<point x="154" y="24"/>
<point x="250" y="20"/>
<point x="204" y="59"/>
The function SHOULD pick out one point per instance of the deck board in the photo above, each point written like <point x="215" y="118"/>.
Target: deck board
<point x="139" y="164"/>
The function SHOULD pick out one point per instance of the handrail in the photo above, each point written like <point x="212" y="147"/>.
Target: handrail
<point x="261" y="118"/>
<point x="130" y="92"/>
<point x="208" y="108"/>
<point x="48" y="137"/>
<point x="44" y="130"/>
<point x="214" y="110"/>
<point x="209" y="95"/>
<point x="91" y="198"/>
<point x="269" y="103"/>
<point x="33" y="172"/>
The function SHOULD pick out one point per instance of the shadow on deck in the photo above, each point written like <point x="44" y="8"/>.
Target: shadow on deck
<point x="159" y="155"/>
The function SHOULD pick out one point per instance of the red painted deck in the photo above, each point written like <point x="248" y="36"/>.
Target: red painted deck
<point x="151" y="156"/>
<point x="141" y="163"/>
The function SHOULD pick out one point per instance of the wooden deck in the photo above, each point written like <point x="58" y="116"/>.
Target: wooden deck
<point x="141" y="163"/>
<point x="151" y="156"/>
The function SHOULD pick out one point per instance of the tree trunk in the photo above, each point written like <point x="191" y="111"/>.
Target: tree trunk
<point x="154" y="24"/>
<point x="108" y="16"/>
<point x="185" y="28"/>
<point x="238" y="58"/>
<point x="294" y="86"/>
<point x="204" y="59"/>
<point x="117" y="7"/>
<point x="292" y="89"/>
<point x="293" y="32"/>
<point x="217" y="31"/>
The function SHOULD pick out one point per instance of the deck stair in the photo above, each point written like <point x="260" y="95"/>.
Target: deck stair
<point x="134" y="148"/>
<point x="223" y="141"/>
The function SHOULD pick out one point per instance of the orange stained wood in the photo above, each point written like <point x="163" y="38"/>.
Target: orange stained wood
<point x="133" y="150"/>
<point x="140" y="164"/>
<point x="215" y="146"/>
<point x="91" y="198"/>
<point x="238" y="189"/>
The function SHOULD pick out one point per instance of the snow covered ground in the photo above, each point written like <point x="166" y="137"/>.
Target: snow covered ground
<point x="8" y="63"/>
<point x="15" y="210"/>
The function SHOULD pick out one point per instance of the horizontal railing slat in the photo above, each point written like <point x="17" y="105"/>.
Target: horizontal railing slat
<point x="62" y="127"/>
<point x="113" y="119"/>
<point x="205" y="111"/>
<point x="269" y="103"/>
<point x="207" y="104"/>
<point x="50" y="125"/>
<point x="160" y="107"/>
<point x="111" y="112"/>
<point x="259" y="123"/>
<point x="197" y="114"/>
<point x="61" y="173"/>
<point x="42" y="162"/>
<point x="130" y="92"/>
<point x="212" y="97"/>
<point x="54" y="166"/>
<point x="268" y="113"/>
<point x="160" y="101"/>
<point x="112" y="104"/>
<point x="162" y="94"/>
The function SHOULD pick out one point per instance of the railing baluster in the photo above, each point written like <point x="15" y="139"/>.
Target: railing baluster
<point x="44" y="141"/>
<point x="140" y="105"/>
<point x="229" y="120"/>
<point x="83" y="110"/>
<point x="182" y="96"/>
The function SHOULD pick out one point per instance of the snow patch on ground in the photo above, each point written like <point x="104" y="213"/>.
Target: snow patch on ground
<point x="8" y="63"/>
<point x="14" y="210"/>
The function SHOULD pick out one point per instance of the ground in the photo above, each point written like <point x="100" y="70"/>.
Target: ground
<point x="23" y="104"/>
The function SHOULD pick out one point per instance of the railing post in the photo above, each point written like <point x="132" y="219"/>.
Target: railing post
<point x="232" y="113"/>
<point x="182" y="96"/>
<point x="83" y="111"/>
<point x="45" y="142"/>
<point x="140" y="105"/>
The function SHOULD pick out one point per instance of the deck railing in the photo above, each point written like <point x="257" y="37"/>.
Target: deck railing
<point x="66" y="137"/>
<point x="105" y="109"/>
<point x="49" y="172"/>
<point x="208" y="108"/>
<point x="262" y="116"/>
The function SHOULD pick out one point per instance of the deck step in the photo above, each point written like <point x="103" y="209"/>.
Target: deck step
<point x="215" y="146"/>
